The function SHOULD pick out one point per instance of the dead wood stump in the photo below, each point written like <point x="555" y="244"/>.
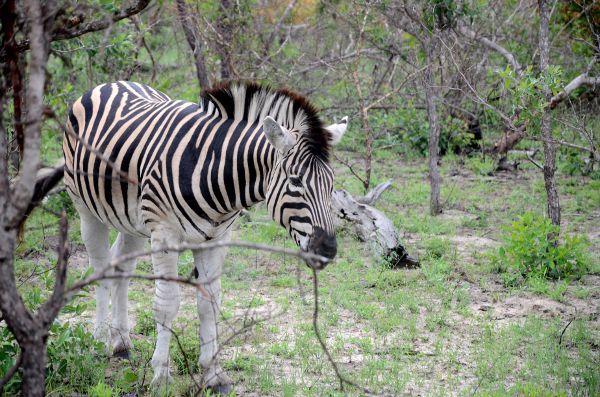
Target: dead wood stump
<point x="372" y="226"/>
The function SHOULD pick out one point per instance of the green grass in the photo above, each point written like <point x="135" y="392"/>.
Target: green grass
<point x="393" y="331"/>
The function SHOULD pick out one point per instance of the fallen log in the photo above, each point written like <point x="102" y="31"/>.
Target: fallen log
<point x="372" y="226"/>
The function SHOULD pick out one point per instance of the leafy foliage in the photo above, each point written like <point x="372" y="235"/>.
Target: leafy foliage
<point x="528" y="250"/>
<point x="74" y="356"/>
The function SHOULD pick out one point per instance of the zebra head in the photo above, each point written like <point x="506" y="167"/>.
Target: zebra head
<point x="301" y="185"/>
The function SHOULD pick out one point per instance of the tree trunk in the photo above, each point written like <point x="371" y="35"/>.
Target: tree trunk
<point x="224" y="28"/>
<point x="189" y="23"/>
<point x="20" y="322"/>
<point x="546" y="130"/>
<point x="435" y="206"/>
<point x="34" y="367"/>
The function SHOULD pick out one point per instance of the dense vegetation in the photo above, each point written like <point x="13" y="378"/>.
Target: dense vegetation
<point x="506" y="301"/>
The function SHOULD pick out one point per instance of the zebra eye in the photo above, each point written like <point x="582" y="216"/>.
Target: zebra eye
<point x="295" y="181"/>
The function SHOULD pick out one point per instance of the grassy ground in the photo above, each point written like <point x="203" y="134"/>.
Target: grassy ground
<point x="451" y="327"/>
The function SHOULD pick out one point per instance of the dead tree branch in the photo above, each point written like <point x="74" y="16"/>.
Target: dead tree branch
<point x="492" y="45"/>
<point x="372" y="226"/>
<point x="592" y="151"/>
<point x="582" y="80"/>
<point x="371" y="197"/>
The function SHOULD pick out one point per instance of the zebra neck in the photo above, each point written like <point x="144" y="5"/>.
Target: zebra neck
<point x="235" y="165"/>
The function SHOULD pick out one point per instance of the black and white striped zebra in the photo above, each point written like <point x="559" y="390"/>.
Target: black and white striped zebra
<point x="177" y="172"/>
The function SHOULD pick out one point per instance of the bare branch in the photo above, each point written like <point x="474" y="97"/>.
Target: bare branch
<point x="530" y="158"/>
<point x="349" y="166"/>
<point x="371" y="197"/>
<point x="330" y="61"/>
<point x="492" y="45"/>
<point x="312" y="260"/>
<point x="80" y="29"/>
<point x="277" y="27"/>
<point x="395" y="90"/>
<point x="4" y="182"/>
<point x="142" y="43"/>
<point x="581" y="80"/>
<point x="594" y="153"/>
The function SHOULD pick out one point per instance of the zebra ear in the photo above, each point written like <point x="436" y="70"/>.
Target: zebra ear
<point x="281" y="138"/>
<point x="337" y="131"/>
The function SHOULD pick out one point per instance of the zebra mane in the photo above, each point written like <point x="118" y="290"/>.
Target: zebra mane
<point x="253" y="102"/>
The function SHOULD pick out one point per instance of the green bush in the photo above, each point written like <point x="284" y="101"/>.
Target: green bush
<point x="74" y="358"/>
<point x="527" y="250"/>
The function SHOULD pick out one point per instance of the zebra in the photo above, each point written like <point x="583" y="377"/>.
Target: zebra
<point x="172" y="172"/>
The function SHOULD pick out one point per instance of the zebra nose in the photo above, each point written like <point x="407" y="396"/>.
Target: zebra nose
<point x="323" y="243"/>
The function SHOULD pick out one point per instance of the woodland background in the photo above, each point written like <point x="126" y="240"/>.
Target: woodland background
<point x="485" y="115"/>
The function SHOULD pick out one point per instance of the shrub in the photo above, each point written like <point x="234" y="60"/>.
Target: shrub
<point x="75" y="358"/>
<point x="481" y="165"/>
<point x="528" y="250"/>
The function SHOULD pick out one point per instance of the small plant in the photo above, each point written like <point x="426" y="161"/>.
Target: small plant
<point x="528" y="250"/>
<point x="74" y="357"/>
<point x="436" y="248"/>
<point x="101" y="390"/>
<point x="145" y="324"/>
<point x="480" y="165"/>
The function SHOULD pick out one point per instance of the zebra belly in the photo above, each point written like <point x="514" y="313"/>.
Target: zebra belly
<point x="125" y="221"/>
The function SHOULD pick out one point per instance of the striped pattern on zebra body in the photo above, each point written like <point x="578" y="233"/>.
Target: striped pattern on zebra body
<point x="175" y="171"/>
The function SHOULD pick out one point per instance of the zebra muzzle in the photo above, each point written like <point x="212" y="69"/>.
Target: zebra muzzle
<point x="323" y="243"/>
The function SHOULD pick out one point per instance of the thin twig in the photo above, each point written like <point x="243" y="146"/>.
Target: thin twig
<point x="185" y="358"/>
<point x="349" y="166"/>
<point x="10" y="373"/>
<point x="564" y="330"/>
<point x="313" y="260"/>
<point x="568" y="144"/>
<point x="530" y="158"/>
<point x="315" y="321"/>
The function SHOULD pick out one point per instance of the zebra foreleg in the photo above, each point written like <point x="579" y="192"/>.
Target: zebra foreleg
<point x="209" y="264"/>
<point x="166" y="305"/>
<point x="125" y="244"/>
<point x="95" y="237"/>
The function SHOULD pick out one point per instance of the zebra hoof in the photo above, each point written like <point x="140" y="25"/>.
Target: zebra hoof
<point x="122" y="354"/>
<point x="219" y="390"/>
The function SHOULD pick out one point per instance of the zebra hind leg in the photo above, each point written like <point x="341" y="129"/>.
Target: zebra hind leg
<point x="166" y="305"/>
<point x="124" y="244"/>
<point x="209" y="264"/>
<point x="95" y="238"/>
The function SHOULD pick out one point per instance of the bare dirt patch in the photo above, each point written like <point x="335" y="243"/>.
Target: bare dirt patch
<point x="469" y="246"/>
<point x="516" y="308"/>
